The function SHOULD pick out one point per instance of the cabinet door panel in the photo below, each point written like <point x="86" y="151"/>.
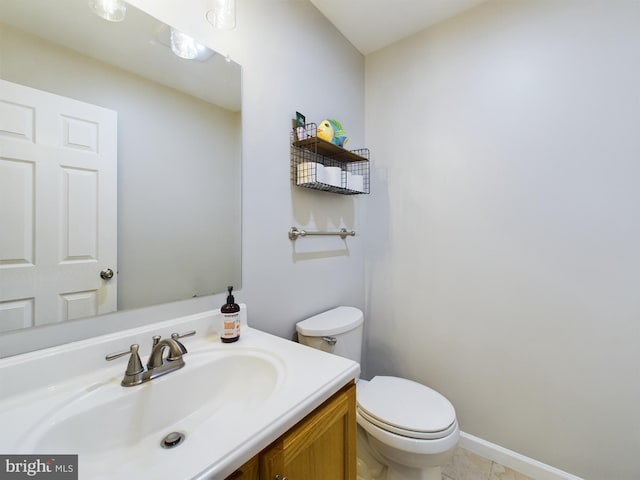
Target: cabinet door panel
<point x="249" y="471"/>
<point x="320" y="447"/>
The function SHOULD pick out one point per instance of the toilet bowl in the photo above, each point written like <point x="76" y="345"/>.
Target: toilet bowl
<point x="408" y="427"/>
<point x="412" y="428"/>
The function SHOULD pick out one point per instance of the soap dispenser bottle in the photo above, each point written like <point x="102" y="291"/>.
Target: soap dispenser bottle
<point x="230" y="319"/>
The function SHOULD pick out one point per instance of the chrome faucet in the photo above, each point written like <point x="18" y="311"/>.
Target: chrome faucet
<point x="158" y="363"/>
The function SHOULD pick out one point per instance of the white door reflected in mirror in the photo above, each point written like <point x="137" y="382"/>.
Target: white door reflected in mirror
<point x="58" y="172"/>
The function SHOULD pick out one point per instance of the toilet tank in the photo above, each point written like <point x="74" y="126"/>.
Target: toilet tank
<point x="337" y="331"/>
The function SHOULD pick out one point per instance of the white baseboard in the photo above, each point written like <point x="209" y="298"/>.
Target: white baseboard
<point x="513" y="460"/>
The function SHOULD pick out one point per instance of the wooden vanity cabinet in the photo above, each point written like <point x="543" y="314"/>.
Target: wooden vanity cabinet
<point x="249" y="471"/>
<point x="321" y="446"/>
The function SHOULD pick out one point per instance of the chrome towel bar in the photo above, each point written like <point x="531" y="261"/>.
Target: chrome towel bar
<point x="294" y="233"/>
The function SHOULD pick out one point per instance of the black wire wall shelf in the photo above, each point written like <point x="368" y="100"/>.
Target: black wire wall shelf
<point x="321" y="165"/>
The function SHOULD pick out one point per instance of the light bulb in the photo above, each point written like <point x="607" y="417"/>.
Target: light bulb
<point x="111" y="10"/>
<point x="185" y="46"/>
<point x="222" y="15"/>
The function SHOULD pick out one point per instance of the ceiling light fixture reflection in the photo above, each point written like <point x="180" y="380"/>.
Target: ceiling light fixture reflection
<point x="111" y="10"/>
<point x="187" y="47"/>
<point x="222" y="14"/>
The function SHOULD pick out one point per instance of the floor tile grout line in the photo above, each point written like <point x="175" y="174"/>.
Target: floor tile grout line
<point x="491" y="469"/>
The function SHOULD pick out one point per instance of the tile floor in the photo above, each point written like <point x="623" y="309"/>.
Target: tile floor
<point x="467" y="465"/>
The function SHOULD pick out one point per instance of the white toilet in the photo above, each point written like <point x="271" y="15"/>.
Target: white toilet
<point x="408" y="427"/>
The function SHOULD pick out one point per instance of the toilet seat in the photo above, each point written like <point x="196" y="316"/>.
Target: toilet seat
<point x="406" y="408"/>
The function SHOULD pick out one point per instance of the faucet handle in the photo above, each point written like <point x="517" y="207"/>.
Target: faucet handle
<point x="135" y="364"/>
<point x="175" y="336"/>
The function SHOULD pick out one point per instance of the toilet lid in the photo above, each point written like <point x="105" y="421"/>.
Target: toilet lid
<point x="405" y="407"/>
<point x="332" y="322"/>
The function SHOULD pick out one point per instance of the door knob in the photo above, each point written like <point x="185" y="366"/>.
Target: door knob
<point x="106" y="274"/>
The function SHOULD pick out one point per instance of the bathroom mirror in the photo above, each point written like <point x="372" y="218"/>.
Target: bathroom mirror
<point x="174" y="225"/>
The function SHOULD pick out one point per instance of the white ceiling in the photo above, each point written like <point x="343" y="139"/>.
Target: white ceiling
<point x="373" y="24"/>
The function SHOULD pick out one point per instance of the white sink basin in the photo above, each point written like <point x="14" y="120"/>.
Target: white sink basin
<point x="107" y="416"/>
<point x="229" y="401"/>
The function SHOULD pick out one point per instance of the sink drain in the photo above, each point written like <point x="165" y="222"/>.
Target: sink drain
<point x="172" y="440"/>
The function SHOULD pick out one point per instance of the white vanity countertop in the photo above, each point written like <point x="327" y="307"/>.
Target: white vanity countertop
<point x="36" y="386"/>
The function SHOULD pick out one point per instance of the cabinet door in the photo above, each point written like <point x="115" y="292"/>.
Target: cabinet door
<point x="320" y="447"/>
<point x="249" y="471"/>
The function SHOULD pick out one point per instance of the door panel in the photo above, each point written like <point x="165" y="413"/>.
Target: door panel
<point x="17" y="212"/>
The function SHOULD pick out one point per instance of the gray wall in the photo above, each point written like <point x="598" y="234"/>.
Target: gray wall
<point x="503" y="259"/>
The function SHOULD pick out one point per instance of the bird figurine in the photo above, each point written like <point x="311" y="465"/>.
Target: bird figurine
<point x="330" y="130"/>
